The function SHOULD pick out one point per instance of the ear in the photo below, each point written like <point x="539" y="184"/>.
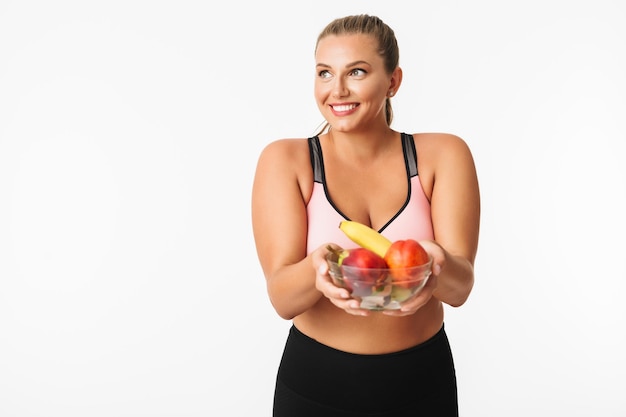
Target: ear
<point x="396" y="79"/>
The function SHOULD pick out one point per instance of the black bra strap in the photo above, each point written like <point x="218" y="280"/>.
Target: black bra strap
<point x="317" y="162"/>
<point x="315" y="151"/>
<point x="410" y="155"/>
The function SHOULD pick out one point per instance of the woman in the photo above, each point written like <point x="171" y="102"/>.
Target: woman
<point x="339" y="359"/>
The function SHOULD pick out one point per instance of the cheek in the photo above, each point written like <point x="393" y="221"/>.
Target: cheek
<point x="375" y="94"/>
<point x="320" y="91"/>
<point x="322" y="95"/>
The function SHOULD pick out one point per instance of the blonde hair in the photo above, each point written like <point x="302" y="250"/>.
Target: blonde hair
<point x="373" y="26"/>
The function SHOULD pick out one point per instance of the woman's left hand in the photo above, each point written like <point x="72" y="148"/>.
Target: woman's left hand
<point x="411" y="306"/>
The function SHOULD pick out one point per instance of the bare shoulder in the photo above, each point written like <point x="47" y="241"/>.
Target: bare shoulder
<point x="437" y="151"/>
<point x="441" y="145"/>
<point x="442" y="156"/>
<point x="285" y="160"/>
<point x="285" y="149"/>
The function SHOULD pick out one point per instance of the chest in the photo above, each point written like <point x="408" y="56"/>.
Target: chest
<point x="370" y="195"/>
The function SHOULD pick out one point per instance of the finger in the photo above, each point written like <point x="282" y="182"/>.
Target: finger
<point x="330" y="290"/>
<point x="357" y="311"/>
<point x="327" y="287"/>
<point x="437" y="253"/>
<point x="396" y="313"/>
<point x="351" y="306"/>
<point x="414" y="304"/>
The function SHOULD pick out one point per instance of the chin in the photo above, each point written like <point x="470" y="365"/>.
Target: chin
<point x="342" y="127"/>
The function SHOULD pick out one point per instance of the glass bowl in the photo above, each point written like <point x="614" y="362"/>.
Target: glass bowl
<point x="380" y="288"/>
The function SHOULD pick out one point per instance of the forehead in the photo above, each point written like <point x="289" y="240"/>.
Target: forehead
<point x="353" y="47"/>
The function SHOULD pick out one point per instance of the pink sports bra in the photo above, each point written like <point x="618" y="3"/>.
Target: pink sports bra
<point x="413" y="219"/>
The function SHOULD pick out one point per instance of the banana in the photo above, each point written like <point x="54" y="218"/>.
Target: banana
<point x="365" y="236"/>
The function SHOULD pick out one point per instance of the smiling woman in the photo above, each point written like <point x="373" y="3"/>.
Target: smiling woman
<point x="358" y="168"/>
<point x="339" y="75"/>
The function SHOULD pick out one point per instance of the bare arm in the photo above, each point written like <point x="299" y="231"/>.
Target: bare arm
<point x="280" y="227"/>
<point x="455" y="204"/>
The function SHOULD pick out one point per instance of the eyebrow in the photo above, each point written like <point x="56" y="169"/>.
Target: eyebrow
<point x="351" y="64"/>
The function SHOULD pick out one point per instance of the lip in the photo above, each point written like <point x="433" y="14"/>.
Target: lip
<point x="343" y="109"/>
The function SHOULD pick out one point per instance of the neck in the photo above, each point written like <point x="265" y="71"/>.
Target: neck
<point x="362" y="146"/>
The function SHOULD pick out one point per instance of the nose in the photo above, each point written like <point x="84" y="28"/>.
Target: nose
<point x="339" y="88"/>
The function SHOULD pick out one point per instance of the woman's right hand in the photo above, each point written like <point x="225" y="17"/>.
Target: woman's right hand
<point x="340" y="297"/>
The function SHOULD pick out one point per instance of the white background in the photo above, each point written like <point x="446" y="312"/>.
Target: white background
<point x="129" y="133"/>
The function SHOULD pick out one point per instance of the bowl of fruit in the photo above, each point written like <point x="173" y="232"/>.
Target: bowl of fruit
<point x="379" y="273"/>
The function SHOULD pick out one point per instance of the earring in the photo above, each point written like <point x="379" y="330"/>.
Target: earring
<point x="391" y="93"/>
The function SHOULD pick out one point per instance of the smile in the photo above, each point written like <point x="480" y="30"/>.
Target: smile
<point x="343" y="107"/>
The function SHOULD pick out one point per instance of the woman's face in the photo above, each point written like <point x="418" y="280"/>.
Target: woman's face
<point x="351" y="83"/>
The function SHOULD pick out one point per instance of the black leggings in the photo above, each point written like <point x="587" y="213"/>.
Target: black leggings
<point x="315" y="380"/>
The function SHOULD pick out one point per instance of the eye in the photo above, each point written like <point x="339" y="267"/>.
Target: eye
<point x="324" y="74"/>
<point x="358" y="72"/>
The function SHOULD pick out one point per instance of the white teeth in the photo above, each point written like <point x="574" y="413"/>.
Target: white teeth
<point x="345" y="107"/>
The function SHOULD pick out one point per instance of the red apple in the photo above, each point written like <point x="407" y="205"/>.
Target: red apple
<point x="404" y="254"/>
<point x="371" y="267"/>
